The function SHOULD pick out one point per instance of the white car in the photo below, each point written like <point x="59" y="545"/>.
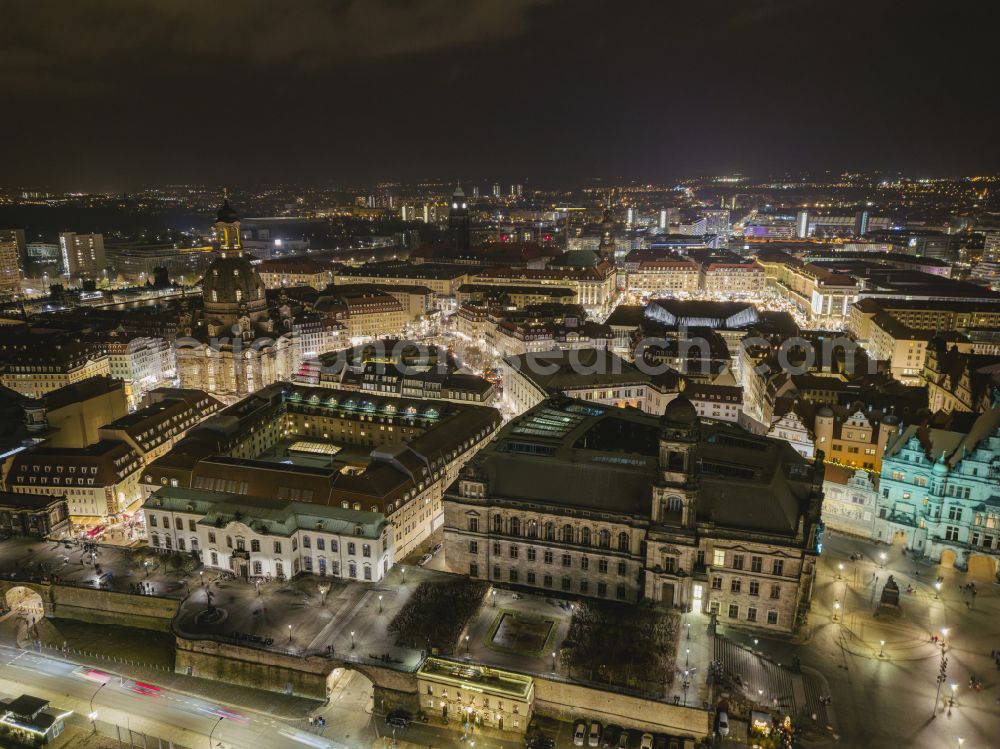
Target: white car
<point x="723" y="724"/>
<point x="425" y="559"/>
<point x="595" y="734"/>
<point x="579" y="733"/>
<point x="647" y="741"/>
<point x="623" y="740"/>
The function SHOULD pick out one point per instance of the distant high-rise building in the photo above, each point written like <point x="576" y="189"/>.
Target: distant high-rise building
<point x="496" y="190"/>
<point x="458" y="221"/>
<point x="630" y="218"/>
<point x="517" y="190"/>
<point x="407" y="213"/>
<point x="861" y="223"/>
<point x="17" y="237"/>
<point x="427" y="213"/>
<point x="802" y="224"/>
<point x="10" y="263"/>
<point x="82" y="254"/>
<point x="717" y="221"/>
<point x="475" y="191"/>
<point x="663" y="218"/>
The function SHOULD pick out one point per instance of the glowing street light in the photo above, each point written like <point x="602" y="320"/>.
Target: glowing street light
<point x="882" y="557"/>
<point x="352" y="639"/>
<point x="553" y="659"/>
<point x="380" y="603"/>
<point x="881" y="648"/>
<point x="840" y="570"/>
<point x="289" y="632"/>
<point x="937" y="589"/>
<point x="836" y="609"/>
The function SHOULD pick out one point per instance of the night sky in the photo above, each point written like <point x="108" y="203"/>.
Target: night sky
<point x="114" y="94"/>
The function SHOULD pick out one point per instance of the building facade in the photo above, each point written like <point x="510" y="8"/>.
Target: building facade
<point x="937" y="491"/>
<point x="850" y="498"/>
<point x="262" y="536"/>
<point x="587" y="500"/>
<point x="82" y="254"/>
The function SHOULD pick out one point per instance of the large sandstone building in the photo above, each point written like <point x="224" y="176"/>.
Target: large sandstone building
<point x="587" y="499"/>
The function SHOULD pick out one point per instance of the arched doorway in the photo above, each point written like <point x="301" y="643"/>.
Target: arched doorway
<point x="947" y="558"/>
<point x="348" y="708"/>
<point x="982" y="566"/>
<point x="25" y="602"/>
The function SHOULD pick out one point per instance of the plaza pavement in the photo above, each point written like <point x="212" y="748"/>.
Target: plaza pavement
<point x="884" y="696"/>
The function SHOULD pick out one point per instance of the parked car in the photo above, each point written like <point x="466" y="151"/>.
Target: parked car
<point x="610" y="736"/>
<point x="398" y="719"/>
<point x="425" y="559"/>
<point x="594" y="738"/>
<point x="723" y="724"/>
<point x="437" y="548"/>
<point x="579" y="733"/>
<point x="623" y="740"/>
<point x="540" y="741"/>
<point x="647" y="741"/>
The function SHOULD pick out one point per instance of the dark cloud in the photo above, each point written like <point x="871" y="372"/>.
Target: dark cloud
<point x="112" y="93"/>
<point x="45" y="40"/>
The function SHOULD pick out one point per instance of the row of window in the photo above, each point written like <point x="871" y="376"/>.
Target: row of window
<point x="255" y="544"/>
<point x="567" y="534"/>
<point x="753" y="587"/>
<point x="751" y="612"/>
<point x="566" y="583"/>
<point x="738" y="561"/>
<point x="548" y="556"/>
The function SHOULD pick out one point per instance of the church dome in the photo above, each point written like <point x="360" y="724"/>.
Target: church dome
<point x="232" y="287"/>
<point x="227" y="214"/>
<point x="681" y="412"/>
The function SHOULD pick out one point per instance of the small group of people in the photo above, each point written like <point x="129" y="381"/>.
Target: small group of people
<point x="995" y="655"/>
<point x="141" y="589"/>
<point x="318" y="721"/>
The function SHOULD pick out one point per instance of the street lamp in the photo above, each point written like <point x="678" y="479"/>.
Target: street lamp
<point x="687" y="657"/>
<point x="689" y="630"/>
<point x="937" y="589"/>
<point x="210" y="735"/>
<point x="881" y="648"/>
<point x="92" y="711"/>
<point x="289" y="632"/>
<point x="380" y="603"/>
<point x="146" y="565"/>
<point x="882" y="557"/>
<point x="755" y="642"/>
<point x="836" y="610"/>
<point x="466" y="644"/>
<point x="323" y="590"/>
<point x="553" y="660"/>
<point x="352" y="639"/>
<point x="840" y="570"/>
<point x="494" y="598"/>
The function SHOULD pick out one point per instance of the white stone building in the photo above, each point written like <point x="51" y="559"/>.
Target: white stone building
<point x="261" y="536"/>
